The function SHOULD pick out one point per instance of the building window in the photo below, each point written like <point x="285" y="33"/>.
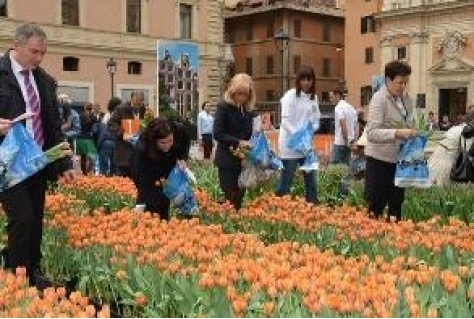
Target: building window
<point x="369" y="55"/>
<point x="134" y="67"/>
<point x="365" y="95"/>
<point x="326" y="32"/>
<point x="401" y="53"/>
<point x="186" y="21"/>
<point x="326" y="67"/>
<point x="249" y="33"/>
<point x="270" y="29"/>
<point x="367" y="24"/>
<point x="296" y="63"/>
<point x="297" y="28"/>
<point x="77" y="93"/>
<point x="249" y="66"/>
<point x="70" y="12"/>
<point x="270" y="64"/>
<point x="270" y="95"/>
<point x="134" y="16"/>
<point x="70" y="63"/>
<point x="3" y="8"/>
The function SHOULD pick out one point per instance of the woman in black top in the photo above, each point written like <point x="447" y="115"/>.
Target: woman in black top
<point x="233" y="125"/>
<point x="163" y="145"/>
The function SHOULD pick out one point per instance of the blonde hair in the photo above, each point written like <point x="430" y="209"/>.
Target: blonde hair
<point x="241" y="81"/>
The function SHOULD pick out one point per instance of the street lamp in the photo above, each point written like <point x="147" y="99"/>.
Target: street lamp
<point x="341" y="82"/>
<point x="112" y="68"/>
<point x="281" y="41"/>
<point x="228" y="60"/>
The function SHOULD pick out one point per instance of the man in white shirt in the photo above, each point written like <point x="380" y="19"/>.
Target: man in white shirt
<point x="346" y="133"/>
<point x="205" y="124"/>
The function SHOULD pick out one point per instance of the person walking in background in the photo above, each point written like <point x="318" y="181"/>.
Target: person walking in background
<point x="445" y="123"/>
<point x="432" y="124"/>
<point x="233" y="127"/>
<point x="106" y="141"/>
<point x="346" y="128"/>
<point x="70" y="120"/>
<point x="133" y="110"/>
<point x="160" y="148"/>
<point x="205" y="123"/>
<point x="26" y="87"/>
<point x="85" y="145"/>
<point x="445" y="153"/>
<point x="389" y="108"/>
<point x="298" y="106"/>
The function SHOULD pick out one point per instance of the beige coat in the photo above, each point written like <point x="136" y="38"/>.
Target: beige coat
<point x="384" y="119"/>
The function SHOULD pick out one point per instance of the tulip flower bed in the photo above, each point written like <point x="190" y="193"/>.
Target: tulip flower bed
<point x="277" y="257"/>
<point x="18" y="300"/>
<point x="184" y="268"/>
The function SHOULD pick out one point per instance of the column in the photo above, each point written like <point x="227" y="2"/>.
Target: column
<point x="386" y="51"/>
<point x="417" y="55"/>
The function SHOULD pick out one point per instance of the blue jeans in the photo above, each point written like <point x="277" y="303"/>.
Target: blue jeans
<point x="340" y="154"/>
<point x="106" y="158"/>
<point x="286" y="179"/>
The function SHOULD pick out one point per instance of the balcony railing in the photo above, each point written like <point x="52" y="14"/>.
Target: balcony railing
<point x="389" y="5"/>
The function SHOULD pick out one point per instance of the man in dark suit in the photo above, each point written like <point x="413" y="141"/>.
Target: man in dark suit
<point x="26" y="87"/>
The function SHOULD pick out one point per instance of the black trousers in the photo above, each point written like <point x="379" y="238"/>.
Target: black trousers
<point x="24" y="207"/>
<point x="229" y="183"/>
<point x="380" y="189"/>
<point x="207" y="145"/>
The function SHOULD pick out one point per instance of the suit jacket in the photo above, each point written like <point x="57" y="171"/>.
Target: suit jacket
<point x="123" y="149"/>
<point x="231" y="125"/>
<point x="384" y="119"/>
<point x="12" y="104"/>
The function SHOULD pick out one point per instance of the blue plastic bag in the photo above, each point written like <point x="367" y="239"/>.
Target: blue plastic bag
<point x="177" y="188"/>
<point x="20" y="157"/>
<point x="302" y="140"/>
<point x="259" y="154"/>
<point x="412" y="168"/>
<point x="311" y="162"/>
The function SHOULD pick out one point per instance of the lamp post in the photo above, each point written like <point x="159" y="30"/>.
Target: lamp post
<point x="341" y="82"/>
<point x="112" y="68"/>
<point x="281" y="41"/>
<point x="228" y="59"/>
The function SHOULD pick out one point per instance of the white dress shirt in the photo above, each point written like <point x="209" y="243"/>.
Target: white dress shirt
<point x="17" y="68"/>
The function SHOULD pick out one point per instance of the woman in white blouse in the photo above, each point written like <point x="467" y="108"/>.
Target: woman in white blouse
<point x="298" y="106"/>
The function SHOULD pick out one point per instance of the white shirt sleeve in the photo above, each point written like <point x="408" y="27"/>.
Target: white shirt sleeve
<point x="286" y="104"/>
<point x="199" y="124"/>
<point x="316" y="115"/>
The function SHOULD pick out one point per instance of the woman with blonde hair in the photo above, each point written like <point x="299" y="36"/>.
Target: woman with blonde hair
<point x="233" y="126"/>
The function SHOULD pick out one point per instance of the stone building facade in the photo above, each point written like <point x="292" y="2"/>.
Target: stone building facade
<point x="85" y="34"/>
<point x="316" y="35"/>
<point x="436" y="37"/>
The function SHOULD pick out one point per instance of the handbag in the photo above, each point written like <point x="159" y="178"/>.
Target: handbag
<point x="463" y="167"/>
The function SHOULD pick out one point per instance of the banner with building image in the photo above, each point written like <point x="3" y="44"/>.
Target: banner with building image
<point x="177" y="75"/>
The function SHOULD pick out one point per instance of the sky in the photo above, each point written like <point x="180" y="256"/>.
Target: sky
<point x="178" y="47"/>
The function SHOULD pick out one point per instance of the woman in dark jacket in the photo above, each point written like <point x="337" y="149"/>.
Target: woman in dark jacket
<point x="161" y="147"/>
<point x="233" y="125"/>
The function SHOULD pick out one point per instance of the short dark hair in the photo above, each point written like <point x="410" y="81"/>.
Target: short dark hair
<point x="113" y="103"/>
<point x="157" y="129"/>
<point x="204" y="104"/>
<point x="397" y="68"/>
<point x="305" y="72"/>
<point x="339" y="92"/>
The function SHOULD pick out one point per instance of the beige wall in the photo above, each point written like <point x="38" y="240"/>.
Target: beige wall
<point x="101" y="35"/>
<point x="358" y="73"/>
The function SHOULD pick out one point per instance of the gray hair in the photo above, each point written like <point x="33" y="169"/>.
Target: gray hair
<point x="27" y="31"/>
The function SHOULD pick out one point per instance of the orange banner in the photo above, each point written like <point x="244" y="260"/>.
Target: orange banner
<point x="131" y="127"/>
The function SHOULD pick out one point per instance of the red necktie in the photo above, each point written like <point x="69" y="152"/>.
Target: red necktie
<point x="34" y="103"/>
